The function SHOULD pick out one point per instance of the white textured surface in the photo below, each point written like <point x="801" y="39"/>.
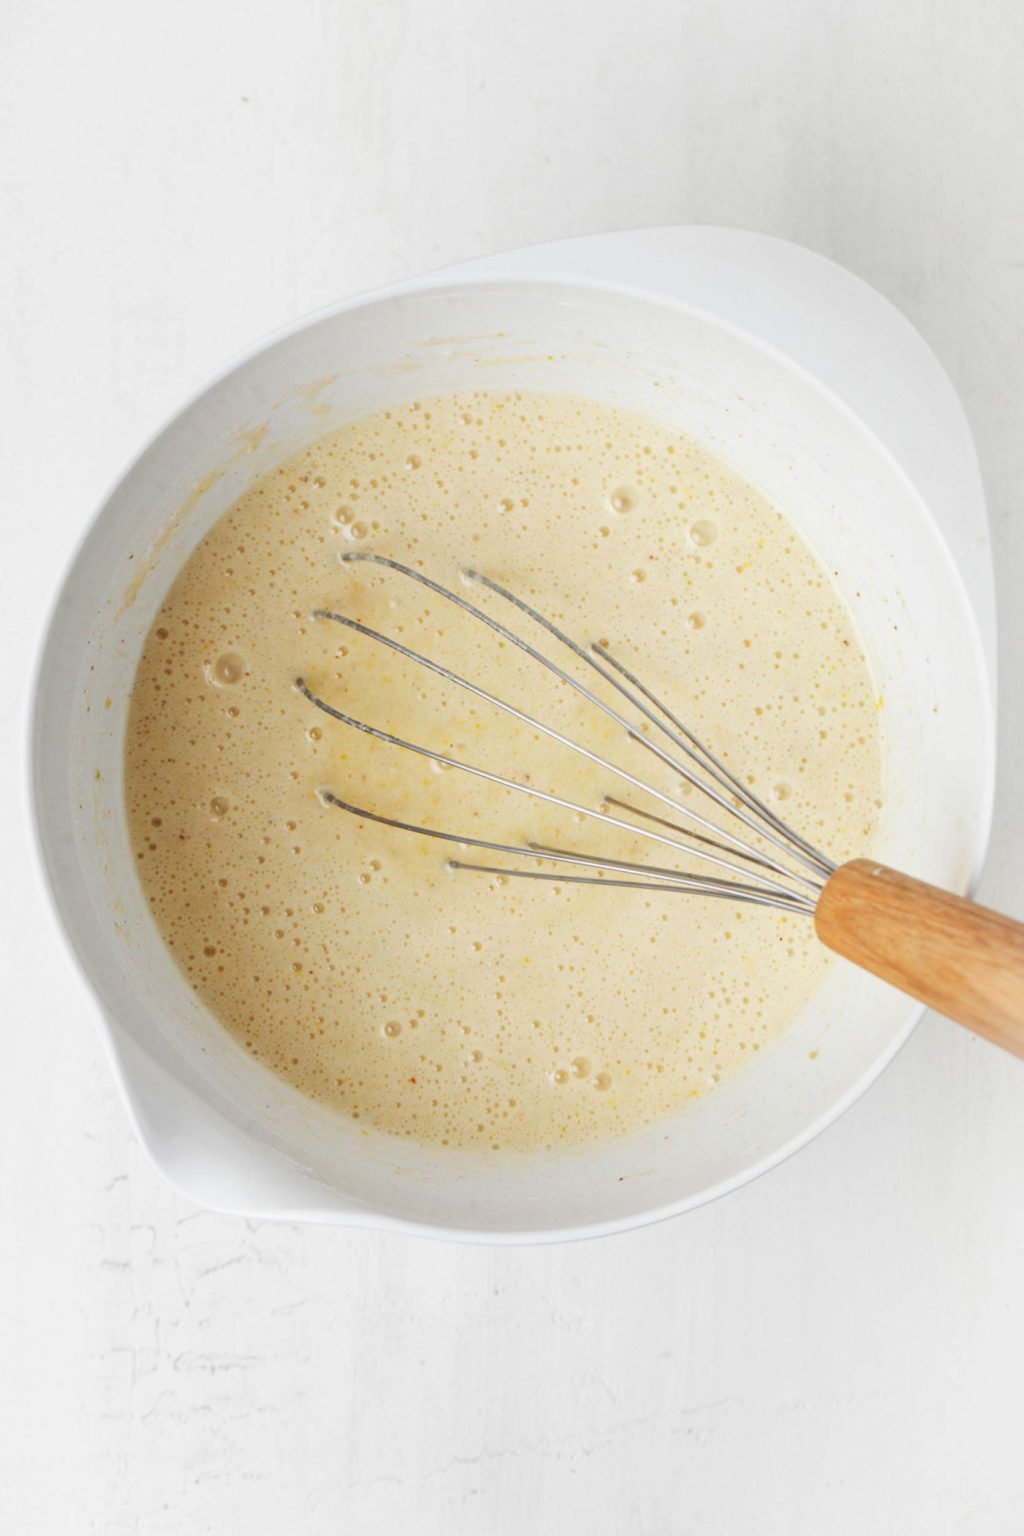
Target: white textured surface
<point x="834" y="1349"/>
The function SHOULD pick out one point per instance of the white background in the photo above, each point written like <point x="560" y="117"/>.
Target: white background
<point x="837" y="1349"/>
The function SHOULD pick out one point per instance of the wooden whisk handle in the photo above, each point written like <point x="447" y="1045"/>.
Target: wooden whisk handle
<point x="961" y="959"/>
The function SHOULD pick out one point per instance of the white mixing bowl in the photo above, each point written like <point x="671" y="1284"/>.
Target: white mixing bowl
<point x="804" y="380"/>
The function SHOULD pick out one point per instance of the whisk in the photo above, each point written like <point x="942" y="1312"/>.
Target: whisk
<point x="960" y="958"/>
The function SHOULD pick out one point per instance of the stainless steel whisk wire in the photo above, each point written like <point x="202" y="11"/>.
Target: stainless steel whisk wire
<point x="766" y="880"/>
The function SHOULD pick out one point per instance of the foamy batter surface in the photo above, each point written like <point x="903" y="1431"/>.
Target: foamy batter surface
<point x="469" y="1009"/>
